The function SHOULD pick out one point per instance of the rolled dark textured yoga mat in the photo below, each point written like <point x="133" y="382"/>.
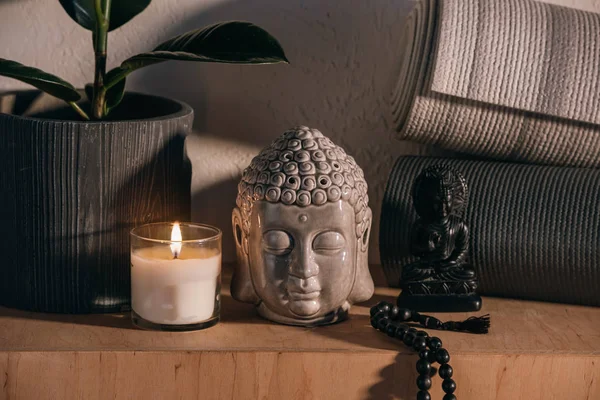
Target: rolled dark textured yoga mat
<point x="535" y="230"/>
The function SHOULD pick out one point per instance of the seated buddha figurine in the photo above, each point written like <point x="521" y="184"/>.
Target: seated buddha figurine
<point x="440" y="239"/>
<point x="301" y="228"/>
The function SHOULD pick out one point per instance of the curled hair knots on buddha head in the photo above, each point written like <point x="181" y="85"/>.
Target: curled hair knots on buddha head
<point x="302" y="168"/>
<point x="440" y="180"/>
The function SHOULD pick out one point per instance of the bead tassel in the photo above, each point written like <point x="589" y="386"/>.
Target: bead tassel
<point x="386" y="318"/>
<point x="471" y="324"/>
<point x="475" y="324"/>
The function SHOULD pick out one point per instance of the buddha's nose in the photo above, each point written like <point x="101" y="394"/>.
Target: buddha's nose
<point x="303" y="266"/>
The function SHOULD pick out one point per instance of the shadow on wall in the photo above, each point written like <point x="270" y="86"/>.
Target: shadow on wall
<point x="344" y="60"/>
<point x="342" y="57"/>
<point x="213" y="202"/>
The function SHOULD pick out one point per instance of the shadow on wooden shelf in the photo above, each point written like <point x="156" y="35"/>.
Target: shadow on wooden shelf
<point x="396" y="380"/>
<point x="377" y="298"/>
<point x="115" y="320"/>
<point x="234" y="313"/>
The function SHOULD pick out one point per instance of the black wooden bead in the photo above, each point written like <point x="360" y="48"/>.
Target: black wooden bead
<point x="394" y="312"/>
<point x="422" y="333"/>
<point x="449" y="386"/>
<point x="449" y="397"/>
<point x="412" y="330"/>
<point x="424" y="382"/>
<point x="424" y="354"/>
<point x="415" y="316"/>
<point x="400" y="333"/>
<point x="434" y="342"/>
<point x="419" y="343"/>
<point x="374" y="310"/>
<point x="382" y="324"/>
<point x="404" y="314"/>
<point x="446" y="371"/>
<point x="378" y="315"/>
<point x="409" y="338"/>
<point x="442" y="356"/>
<point x="431" y="357"/>
<point x="433" y="372"/>
<point x="423" y="395"/>
<point x="391" y="330"/>
<point x="423" y="367"/>
<point x="381" y="304"/>
<point x="433" y="323"/>
<point x="385" y="308"/>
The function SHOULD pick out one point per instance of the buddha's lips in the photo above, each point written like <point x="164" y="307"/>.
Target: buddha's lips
<point x="300" y="296"/>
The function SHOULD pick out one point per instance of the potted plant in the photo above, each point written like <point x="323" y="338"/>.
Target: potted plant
<point x="80" y="168"/>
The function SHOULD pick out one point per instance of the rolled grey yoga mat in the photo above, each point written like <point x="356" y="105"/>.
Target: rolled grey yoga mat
<point x="535" y="230"/>
<point x="508" y="79"/>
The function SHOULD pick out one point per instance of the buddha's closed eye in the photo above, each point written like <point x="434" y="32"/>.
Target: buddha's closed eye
<point x="329" y="242"/>
<point x="277" y="242"/>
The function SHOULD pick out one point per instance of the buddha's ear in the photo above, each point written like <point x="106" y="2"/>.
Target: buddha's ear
<point x="363" y="283"/>
<point x="241" y="283"/>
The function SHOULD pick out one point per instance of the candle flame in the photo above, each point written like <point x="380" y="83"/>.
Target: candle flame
<point x="176" y="238"/>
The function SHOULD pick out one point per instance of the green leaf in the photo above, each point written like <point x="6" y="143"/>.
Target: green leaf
<point x="89" y="91"/>
<point x="232" y="42"/>
<point x="44" y="81"/>
<point x="121" y="11"/>
<point x="226" y="42"/>
<point x="114" y="95"/>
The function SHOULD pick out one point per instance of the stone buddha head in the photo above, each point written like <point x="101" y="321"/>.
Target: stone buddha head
<point x="301" y="228"/>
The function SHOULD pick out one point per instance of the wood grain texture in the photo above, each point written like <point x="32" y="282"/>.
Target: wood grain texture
<point x="285" y="375"/>
<point x="535" y="351"/>
<point x="71" y="193"/>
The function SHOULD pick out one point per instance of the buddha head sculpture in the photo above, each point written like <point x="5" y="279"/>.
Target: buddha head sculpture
<point x="440" y="191"/>
<point x="301" y="228"/>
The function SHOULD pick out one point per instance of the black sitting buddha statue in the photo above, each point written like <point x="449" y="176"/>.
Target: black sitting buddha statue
<point x="440" y="280"/>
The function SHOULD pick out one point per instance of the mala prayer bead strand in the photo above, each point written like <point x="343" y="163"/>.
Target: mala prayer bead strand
<point x="390" y="319"/>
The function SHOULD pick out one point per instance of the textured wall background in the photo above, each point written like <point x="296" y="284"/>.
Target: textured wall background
<point x="344" y="55"/>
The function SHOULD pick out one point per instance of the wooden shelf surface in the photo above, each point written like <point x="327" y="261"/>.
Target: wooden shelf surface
<point x="534" y="351"/>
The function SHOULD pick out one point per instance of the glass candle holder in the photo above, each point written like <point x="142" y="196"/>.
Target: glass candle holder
<point x="175" y="276"/>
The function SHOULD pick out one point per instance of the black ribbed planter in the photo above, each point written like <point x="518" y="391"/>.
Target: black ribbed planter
<point x="71" y="191"/>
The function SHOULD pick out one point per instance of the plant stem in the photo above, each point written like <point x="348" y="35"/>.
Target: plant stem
<point x="79" y="110"/>
<point x="100" y="45"/>
<point x="99" y="91"/>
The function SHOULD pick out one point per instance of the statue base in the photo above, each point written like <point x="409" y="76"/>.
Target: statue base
<point x="440" y="302"/>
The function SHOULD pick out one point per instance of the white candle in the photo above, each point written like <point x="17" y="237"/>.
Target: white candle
<point x="174" y="291"/>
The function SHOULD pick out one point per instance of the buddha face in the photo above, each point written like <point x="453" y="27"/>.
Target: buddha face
<point x="441" y="202"/>
<point x="435" y="201"/>
<point x="439" y="192"/>
<point x="303" y="261"/>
